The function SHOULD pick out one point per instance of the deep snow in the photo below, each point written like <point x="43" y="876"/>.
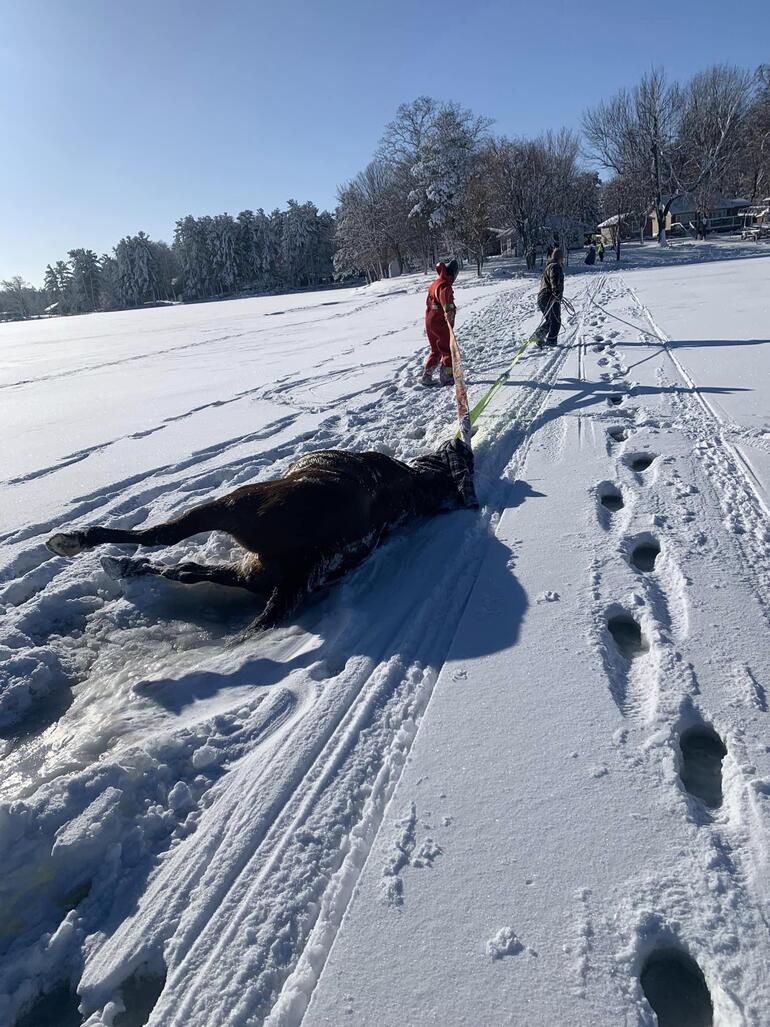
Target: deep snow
<point x="449" y="749"/>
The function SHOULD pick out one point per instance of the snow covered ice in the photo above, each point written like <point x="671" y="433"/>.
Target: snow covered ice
<point x="513" y="769"/>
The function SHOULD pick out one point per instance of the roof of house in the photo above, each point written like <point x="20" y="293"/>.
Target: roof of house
<point x="684" y="203"/>
<point x="614" y="220"/>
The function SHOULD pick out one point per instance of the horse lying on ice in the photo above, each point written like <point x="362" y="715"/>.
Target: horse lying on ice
<point x="328" y="512"/>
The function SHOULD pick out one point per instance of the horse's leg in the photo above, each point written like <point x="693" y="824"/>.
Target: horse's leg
<point x="187" y="573"/>
<point x="298" y="577"/>
<point x="202" y="518"/>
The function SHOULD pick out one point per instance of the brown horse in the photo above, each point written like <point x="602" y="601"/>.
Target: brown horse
<point x="328" y="512"/>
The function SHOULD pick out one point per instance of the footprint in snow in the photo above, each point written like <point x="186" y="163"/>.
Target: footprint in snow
<point x="611" y="498"/>
<point x="701" y="768"/>
<point x="627" y="636"/>
<point x="675" y="987"/>
<point x="644" y="554"/>
<point x="639" y="462"/>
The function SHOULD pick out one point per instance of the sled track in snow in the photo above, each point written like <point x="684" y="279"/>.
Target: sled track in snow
<point x="732" y="479"/>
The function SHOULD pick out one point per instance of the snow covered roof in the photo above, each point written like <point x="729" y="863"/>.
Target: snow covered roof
<point x="685" y="203"/>
<point x="614" y="220"/>
<point x="51" y="308"/>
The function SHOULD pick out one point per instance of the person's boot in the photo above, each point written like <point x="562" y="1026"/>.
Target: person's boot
<point x="446" y="375"/>
<point x="427" y="377"/>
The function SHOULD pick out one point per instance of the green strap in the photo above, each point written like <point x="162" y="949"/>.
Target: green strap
<point x="485" y="400"/>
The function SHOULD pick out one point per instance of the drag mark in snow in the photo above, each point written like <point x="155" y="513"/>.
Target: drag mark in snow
<point x="401" y="856"/>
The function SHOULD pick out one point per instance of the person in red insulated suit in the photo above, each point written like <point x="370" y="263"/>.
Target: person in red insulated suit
<point x="440" y="307"/>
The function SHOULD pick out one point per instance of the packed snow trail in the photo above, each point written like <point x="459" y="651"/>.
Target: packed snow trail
<point x="548" y="848"/>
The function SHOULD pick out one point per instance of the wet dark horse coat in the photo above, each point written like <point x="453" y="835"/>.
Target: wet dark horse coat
<point x="328" y="512"/>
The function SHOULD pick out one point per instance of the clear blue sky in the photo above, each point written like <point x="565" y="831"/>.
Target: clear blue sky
<point x="121" y="115"/>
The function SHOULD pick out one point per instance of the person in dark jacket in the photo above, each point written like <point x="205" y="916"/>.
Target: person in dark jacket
<point x="591" y="255"/>
<point x="600" y="251"/>
<point x="549" y="299"/>
<point x="440" y="309"/>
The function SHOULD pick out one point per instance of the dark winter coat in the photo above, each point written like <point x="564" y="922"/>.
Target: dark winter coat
<point x="551" y="282"/>
<point x="591" y="255"/>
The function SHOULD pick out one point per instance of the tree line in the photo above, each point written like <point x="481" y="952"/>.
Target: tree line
<point x="210" y="257"/>
<point x="439" y="182"/>
<point x="440" y="179"/>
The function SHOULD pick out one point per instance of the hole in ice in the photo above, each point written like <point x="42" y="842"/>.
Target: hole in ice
<point x="644" y="555"/>
<point x="675" y="987"/>
<point x="47" y="711"/>
<point x="140" y="993"/>
<point x="611" y="499"/>
<point x="618" y="433"/>
<point x="76" y="895"/>
<point x="640" y="461"/>
<point x="702" y="754"/>
<point x="627" y="635"/>
<point x="59" y="1008"/>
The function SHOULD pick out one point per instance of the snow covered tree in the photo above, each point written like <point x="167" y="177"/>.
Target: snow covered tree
<point x="222" y="248"/>
<point x="109" y="283"/>
<point x="137" y="270"/>
<point x="253" y="253"/>
<point x="84" y="280"/>
<point x="192" y="249"/>
<point x="15" y="297"/>
<point x="431" y="149"/>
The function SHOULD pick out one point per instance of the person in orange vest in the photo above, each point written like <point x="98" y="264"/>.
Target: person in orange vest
<point x="440" y="308"/>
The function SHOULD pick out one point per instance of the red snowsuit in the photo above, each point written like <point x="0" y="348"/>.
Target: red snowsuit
<point x="440" y="301"/>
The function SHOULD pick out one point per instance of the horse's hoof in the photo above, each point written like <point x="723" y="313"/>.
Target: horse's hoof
<point x="117" y="567"/>
<point x="65" y="544"/>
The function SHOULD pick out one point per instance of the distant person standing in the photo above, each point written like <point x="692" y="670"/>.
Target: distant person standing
<point x="591" y="255"/>
<point x="549" y="299"/>
<point x="440" y="309"/>
<point x="600" y="251"/>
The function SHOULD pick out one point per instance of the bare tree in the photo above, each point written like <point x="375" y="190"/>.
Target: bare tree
<point x="538" y="185"/>
<point x="714" y="107"/>
<point x="634" y="135"/>
<point x="755" y="157"/>
<point x="621" y="199"/>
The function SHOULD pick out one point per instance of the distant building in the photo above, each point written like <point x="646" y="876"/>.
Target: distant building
<point x="721" y="215"/>
<point x="629" y="225"/>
